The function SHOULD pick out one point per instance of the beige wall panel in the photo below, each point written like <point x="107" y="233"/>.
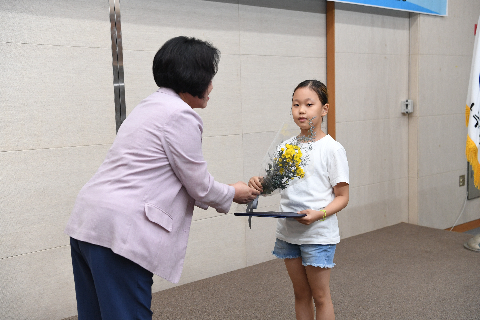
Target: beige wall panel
<point x="224" y="158"/>
<point x="37" y="192"/>
<point x="441" y="144"/>
<point x="413" y="167"/>
<point x="451" y="35"/>
<point x="256" y="148"/>
<point x="413" y="146"/>
<point x="216" y="245"/>
<point x="372" y="58"/>
<point x="374" y="206"/>
<point x="370" y="86"/>
<point x="440" y="76"/>
<point x="413" y="200"/>
<point x="55" y="96"/>
<point x="442" y="200"/>
<point x="38" y="286"/>
<point x="376" y="150"/>
<point x="53" y="23"/>
<point x="146" y="25"/>
<point x="442" y="52"/>
<point x="413" y="82"/>
<point x="260" y="240"/>
<point x="144" y="32"/>
<point x="413" y="93"/>
<point x="360" y="29"/>
<point x="414" y="33"/>
<point x="43" y="30"/>
<point x="267" y="88"/>
<point x="211" y="21"/>
<point x="274" y="31"/>
<point x="223" y="115"/>
<point x="138" y="76"/>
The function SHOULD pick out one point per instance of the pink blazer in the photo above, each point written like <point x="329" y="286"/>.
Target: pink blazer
<point x="140" y="201"/>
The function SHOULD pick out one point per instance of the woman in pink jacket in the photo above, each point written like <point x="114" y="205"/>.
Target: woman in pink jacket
<point x="132" y="219"/>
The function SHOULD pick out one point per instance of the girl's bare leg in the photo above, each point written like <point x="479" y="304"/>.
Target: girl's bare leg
<point x="301" y="288"/>
<point x="319" y="281"/>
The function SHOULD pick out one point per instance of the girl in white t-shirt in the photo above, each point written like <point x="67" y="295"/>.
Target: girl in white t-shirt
<point x="307" y="244"/>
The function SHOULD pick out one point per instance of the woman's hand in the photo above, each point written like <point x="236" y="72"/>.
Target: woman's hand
<point x="256" y="183"/>
<point x="243" y="193"/>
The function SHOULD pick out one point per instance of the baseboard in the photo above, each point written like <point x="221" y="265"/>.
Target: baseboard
<point x="466" y="226"/>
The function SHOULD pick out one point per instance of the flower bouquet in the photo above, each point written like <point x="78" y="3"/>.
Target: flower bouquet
<point x="287" y="161"/>
<point x="282" y="167"/>
<point x="285" y="166"/>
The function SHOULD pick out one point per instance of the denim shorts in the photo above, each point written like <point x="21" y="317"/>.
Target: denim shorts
<point x="317" y="255"/>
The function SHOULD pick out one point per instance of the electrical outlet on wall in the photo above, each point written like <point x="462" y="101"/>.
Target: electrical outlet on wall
<point x="407" y="106"/>
<point x="461" y="180"/>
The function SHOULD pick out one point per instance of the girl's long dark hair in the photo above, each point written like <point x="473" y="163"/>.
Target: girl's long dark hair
<point x="317" y="86"/>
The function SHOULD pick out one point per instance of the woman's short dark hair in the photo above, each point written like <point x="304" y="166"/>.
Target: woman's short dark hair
<point x="186" y="65"/>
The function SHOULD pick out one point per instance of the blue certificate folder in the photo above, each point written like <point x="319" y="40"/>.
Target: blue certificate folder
<point x="271" y="214"/>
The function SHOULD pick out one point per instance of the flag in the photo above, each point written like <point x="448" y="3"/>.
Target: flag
<point x="472" y="113"/>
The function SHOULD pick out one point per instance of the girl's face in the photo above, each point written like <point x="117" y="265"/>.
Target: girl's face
<point x="306" y="105"/>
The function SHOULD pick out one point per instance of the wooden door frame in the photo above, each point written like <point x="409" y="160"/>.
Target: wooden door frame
<point x="330" y="21"/>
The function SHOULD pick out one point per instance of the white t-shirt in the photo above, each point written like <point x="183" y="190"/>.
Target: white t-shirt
<point x="327" y="166"/>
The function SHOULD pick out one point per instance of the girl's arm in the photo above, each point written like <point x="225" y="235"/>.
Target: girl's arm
<point x="339" y="202"/>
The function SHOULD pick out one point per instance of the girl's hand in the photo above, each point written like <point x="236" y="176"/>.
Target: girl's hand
<point x="256" y="183"/>
<point x="311" y="216"/>
<point x="339" y="202"/>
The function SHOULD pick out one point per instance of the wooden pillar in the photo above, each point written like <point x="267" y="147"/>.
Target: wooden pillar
<point x="331" y="67"/>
